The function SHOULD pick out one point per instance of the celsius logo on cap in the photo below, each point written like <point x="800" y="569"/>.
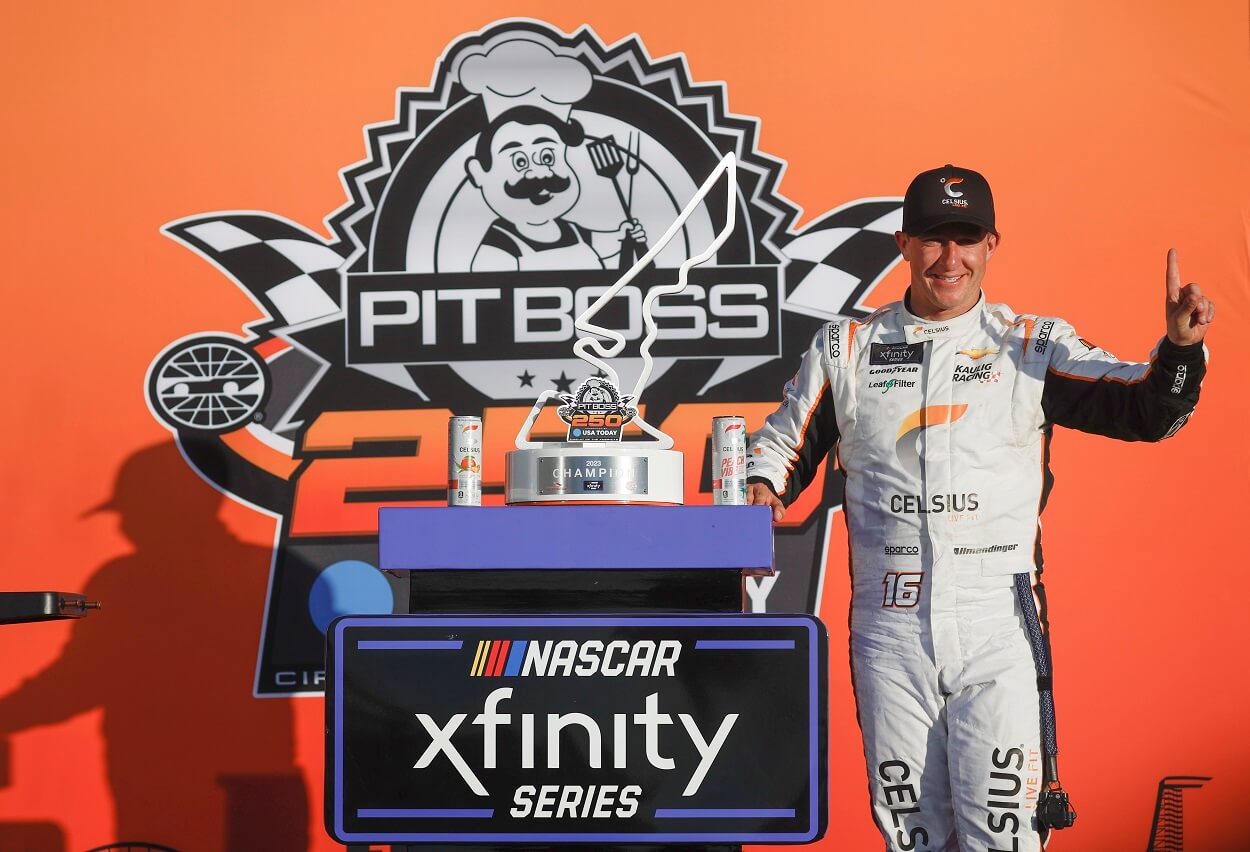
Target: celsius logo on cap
<point x="945" y="196"/>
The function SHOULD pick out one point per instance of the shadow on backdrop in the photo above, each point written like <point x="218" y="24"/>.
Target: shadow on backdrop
<point x="193" y="760"/>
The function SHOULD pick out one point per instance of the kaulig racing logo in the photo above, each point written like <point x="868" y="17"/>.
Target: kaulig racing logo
<point x="498" y="203"/>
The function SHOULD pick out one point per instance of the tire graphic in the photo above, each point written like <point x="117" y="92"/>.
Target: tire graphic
<point x="209" y="384"/>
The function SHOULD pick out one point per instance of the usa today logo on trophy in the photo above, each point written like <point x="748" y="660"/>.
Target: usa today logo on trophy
<point x="594" y="464"/>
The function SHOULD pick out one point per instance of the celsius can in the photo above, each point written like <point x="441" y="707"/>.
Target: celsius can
<point x="729" y="461"/>
<point x="464" y="461"/>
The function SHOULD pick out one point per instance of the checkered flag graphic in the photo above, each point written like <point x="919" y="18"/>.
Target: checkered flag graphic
<point x="291" y="272"/>
<point x="835" y="262"/>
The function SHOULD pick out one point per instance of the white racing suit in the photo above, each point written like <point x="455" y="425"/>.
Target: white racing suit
<point x="942" y="430"/>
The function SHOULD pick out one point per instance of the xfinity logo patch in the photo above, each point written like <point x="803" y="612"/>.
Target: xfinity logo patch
<point x="895" y="354"/>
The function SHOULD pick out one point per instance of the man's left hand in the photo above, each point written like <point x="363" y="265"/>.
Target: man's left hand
<point x="1188" y="312"/>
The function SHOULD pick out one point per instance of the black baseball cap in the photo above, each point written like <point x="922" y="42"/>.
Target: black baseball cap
<point x="947" y="195"/>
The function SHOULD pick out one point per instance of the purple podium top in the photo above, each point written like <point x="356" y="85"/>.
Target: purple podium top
<point x="594" y="537"/>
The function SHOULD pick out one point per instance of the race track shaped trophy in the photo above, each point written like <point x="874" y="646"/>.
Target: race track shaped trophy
<point x="594" y="465"/>
<point x="581" y="674"/>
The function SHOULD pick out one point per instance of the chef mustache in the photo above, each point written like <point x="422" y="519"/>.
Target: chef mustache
<point x="534" y="188"/>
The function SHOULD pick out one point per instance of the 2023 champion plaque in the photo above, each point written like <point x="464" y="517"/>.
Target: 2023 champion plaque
<point x="568" y="729"/>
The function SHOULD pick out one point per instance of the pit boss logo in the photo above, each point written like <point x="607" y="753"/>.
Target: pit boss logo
<point x="597" y="412"/>
<point x="500" y="201"/>
<point x="573" y="728"/>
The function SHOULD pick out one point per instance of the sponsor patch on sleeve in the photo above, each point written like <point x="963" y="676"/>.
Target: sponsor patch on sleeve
<point x="1037" y="347"/>
<point x="836" y="344"/>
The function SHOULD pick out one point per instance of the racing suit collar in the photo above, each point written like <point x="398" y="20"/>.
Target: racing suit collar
<point x="919" y="330"/>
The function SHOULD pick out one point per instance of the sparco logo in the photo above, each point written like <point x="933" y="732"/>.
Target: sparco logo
<point x="835" y="340"/>
<point x="504" y="196"/>
<point x="1178" y="381"/>
<point x="1043" y="337"/>
<point x="902" y="550"/>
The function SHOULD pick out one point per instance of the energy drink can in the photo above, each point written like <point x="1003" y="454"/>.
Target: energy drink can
<point x="729" y="461"/>
<point x="464" y="461"/>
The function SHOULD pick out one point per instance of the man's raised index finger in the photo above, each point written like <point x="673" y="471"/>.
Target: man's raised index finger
<point x="1173" y="277"/>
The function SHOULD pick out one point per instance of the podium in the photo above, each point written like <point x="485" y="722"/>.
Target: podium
<point x="577" y="558"/>
<point x="576" y="677"/>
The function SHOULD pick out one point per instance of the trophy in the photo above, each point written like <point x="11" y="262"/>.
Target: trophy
<point x="593" y="464"/>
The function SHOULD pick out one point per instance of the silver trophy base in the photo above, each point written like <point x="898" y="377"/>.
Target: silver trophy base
<point x="567" y="473"/>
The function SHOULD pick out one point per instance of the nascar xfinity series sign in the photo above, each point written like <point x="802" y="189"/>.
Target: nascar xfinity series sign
<point x="582" y="729"/>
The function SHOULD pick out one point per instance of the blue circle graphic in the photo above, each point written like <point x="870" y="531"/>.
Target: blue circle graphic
<point x="350" y="587"/>
<point x="577" y="433"/>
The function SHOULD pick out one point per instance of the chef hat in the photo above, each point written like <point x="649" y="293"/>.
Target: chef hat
<point x="521" y="72"/>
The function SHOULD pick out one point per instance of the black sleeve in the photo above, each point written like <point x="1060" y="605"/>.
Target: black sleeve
<point x="1089" y="390"/>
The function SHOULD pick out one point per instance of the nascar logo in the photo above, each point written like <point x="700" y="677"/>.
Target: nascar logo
<point x="569" y="658"/>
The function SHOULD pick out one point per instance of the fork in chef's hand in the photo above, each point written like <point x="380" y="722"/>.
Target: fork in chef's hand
<point x="632" y="164"/>
<point x="630" y="249"/>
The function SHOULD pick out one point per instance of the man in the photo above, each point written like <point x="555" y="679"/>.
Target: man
<point x="940" y="408"/>
<point x="521" y="167"/>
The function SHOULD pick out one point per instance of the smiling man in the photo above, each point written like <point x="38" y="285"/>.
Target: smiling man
<point x="941" y="408"/>
<point x="521" y="167"/>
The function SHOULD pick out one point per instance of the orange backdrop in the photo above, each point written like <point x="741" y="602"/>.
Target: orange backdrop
<point x="1110" y="132"/>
